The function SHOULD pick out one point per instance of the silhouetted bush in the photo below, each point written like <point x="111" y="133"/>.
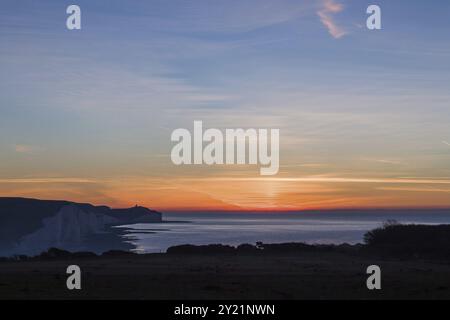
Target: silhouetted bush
<point x="117" y="253"/>
<point x="349" y="248"/>
<point x="410" y="240"/>
<point x="287" y="247"/>
<point x="207" y="249"/>
<point x="83" y="255"/>
<point x="55" y="253"/>
<point x="247" y="248"/>
<point x="260" y="248"/>
<point x="19" y="257"/>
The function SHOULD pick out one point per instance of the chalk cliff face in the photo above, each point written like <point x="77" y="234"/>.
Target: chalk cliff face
<point x="29" y="226"/>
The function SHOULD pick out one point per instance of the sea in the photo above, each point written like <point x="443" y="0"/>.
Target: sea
<point x="234" y="228"/>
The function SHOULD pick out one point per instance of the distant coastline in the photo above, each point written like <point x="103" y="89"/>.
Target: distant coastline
<point x="30" y="226"/>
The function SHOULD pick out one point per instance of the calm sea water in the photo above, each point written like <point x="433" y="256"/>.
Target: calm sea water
<point x="234" y="228"/>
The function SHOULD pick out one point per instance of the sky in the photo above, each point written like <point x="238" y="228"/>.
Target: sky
<point x="86" y="115"/>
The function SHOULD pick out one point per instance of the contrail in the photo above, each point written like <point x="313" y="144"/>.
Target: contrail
<point x="447" y="143"/>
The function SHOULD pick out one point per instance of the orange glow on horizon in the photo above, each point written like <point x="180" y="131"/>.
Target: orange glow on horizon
<point x="239" y="194"/>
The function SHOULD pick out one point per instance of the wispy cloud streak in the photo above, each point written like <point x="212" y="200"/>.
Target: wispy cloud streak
<point x="342" y="180"/>
<point x="23" y="148"/>
<point x="326" y="13"/>
<point x="48" y="180"/>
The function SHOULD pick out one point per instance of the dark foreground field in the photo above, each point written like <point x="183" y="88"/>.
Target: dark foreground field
<point x="307" y="275"/>
<point x="414" y="262"/>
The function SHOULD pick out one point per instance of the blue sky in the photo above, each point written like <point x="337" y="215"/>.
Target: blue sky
<point x="101" y="102"/>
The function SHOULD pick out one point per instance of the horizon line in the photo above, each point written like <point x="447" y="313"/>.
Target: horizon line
<point x="245" y="210"/>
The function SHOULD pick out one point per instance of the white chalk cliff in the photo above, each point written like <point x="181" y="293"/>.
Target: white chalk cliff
<point x="29" y="227"/>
